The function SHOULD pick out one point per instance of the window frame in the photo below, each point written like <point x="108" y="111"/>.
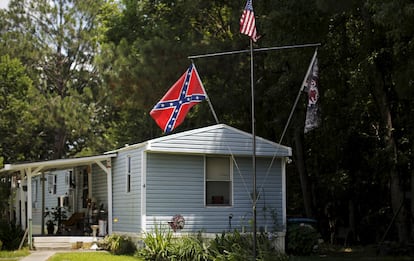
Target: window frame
<point x="52" y="183"/>
<point x="230" y="182"/>
<point x="128" y="174"/>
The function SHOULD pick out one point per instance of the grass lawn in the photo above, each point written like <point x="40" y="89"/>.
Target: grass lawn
<point x="13" y="255"/>
<point x="87" y="256"/>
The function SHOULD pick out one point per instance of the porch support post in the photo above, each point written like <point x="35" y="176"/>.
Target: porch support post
<point x="22" y="200"/>
<point x="283" y="163"/>
<point x="108" y="171"/>
<point x="29" y="206"/>
<point x="42" y="181"/>
<point x="143" y="192"/>
<point x="109" y="182"/>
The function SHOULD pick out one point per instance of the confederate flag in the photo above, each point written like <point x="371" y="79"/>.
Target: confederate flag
<point x="171" y="110"/>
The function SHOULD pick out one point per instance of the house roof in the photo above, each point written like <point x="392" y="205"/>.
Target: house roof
<point x="55" y="164"/>
<point x="215" y="139"/>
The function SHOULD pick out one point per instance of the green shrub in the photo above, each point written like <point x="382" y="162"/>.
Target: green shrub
<point x="158" y="245"/>
<point x="162" y="246"/>
<point x="190" y="248"/>
<point x="11" y="235"/>
<point x="230" y="246"/>
<point x="301" y="239"/>
<point x="119" y="245"/>
<point x="235" y="246"/>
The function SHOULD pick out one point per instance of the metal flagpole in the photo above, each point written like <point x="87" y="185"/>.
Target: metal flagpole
<point x="253" y="148"/>
<point x="254" y="196"/>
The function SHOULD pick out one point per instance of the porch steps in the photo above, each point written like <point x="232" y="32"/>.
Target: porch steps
<point x="62" y="242"/>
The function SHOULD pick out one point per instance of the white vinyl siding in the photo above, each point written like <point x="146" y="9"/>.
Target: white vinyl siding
<point x="171" y="180"/>
<point x="126" y="206"/>
<point x="175" y="185"/>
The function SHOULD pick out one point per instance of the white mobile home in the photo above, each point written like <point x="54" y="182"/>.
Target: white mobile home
<point x="204" y="176"/>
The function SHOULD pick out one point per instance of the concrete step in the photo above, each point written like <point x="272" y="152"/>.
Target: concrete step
<point x="61" y="242"/>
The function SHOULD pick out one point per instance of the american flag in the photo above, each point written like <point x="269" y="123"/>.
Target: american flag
<point x="248" y="22"/>
<point x="171" y="110"/>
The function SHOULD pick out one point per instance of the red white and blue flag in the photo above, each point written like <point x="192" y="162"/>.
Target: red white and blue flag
<point x="248" y="22"/>
<point x="171" y="110"/>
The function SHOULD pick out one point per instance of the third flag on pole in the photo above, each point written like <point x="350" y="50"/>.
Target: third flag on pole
<point x="248" y="22"/>
<point x="312" y="88"/>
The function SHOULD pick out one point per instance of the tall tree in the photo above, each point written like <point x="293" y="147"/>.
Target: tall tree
<point x="17" y="124"/>
<point x="369" y="46"/>
<point x="59" y="43"/>
<point x="148" y="44"/>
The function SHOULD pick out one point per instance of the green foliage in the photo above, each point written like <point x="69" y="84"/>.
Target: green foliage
<point x="119" y="244"/>
<point x="157" y="245"/>
<point x="235" y="246"/>
<point x="14" y="253"/>
<point x="11" y="235"/>
<point x="67" y="112"/>
<point x="301" y="239"/>
<point x="17" y="124"/>
<point x="161" y="245"/>
<point x="190" y="248"/>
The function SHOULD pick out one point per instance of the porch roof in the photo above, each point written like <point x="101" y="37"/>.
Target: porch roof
<point x="54" y="164"/>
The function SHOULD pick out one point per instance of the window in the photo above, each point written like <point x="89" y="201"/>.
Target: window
<point x="128" y="175"/>
<point x="52" y="183"/>
<point x="218" y="181"/>
<point x="85" y="189"/>
<point x="35" y="189"/>
<point x="71" y="179"/>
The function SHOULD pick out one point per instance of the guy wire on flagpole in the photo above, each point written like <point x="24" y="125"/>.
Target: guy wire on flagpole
<point x="298" y="96"/>
<point x="292" y="110"/>
<point x="253" y="112"/>
<point x="254" y="50"/>
<point x="207" y="98"/>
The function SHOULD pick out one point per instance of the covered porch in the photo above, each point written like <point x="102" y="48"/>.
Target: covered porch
<point x="62" y="192"/>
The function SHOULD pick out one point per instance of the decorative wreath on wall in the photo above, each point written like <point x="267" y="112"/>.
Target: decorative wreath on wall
<point x="177" y="222"/>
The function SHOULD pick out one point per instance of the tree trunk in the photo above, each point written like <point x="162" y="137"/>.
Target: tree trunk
<point x="379" y="91"/>
<point x="351" y="236"/>
<point x="60" y="139"/>
<point x="397" y="198"/>
<point x="412" y="202"/>
<point x="304" y="179"/>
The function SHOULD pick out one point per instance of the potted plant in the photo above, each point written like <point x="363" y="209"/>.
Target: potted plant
<point x="50" y="226"/>
<point x="56" y="216"/>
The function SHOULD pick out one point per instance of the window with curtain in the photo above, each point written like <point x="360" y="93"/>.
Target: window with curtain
<point x="218" y="181"/>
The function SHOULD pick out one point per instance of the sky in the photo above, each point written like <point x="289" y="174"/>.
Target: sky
<point x="4" y="3"/>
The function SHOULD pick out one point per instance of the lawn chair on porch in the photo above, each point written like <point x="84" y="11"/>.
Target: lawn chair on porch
<point x="75" y="223"/>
